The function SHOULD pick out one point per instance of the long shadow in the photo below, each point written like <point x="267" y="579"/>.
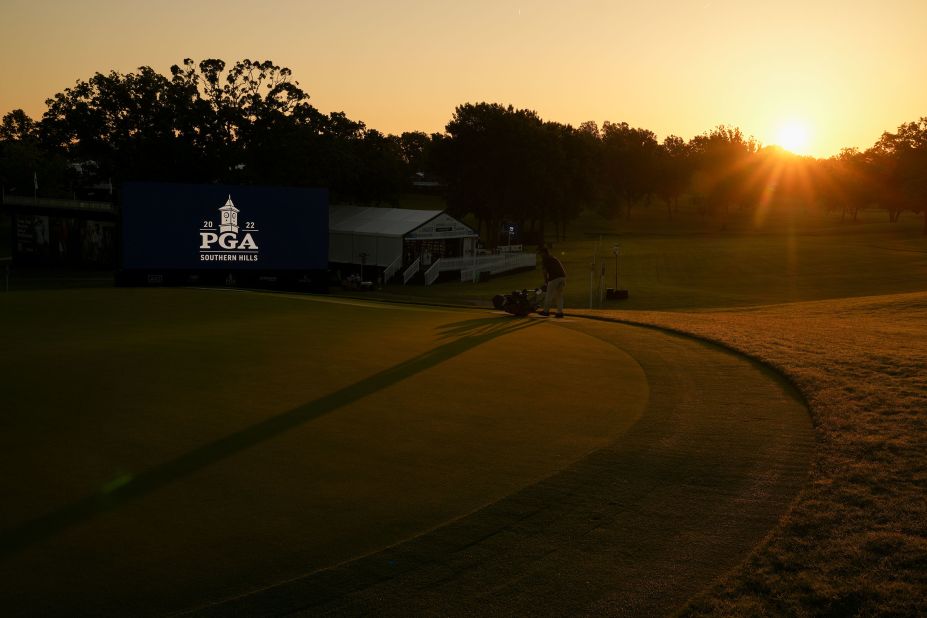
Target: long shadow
<point x="480" y="326"/>
<point x="469" y="333"/>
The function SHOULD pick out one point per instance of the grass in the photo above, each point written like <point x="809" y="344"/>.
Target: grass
<point x="856" y="540"/>
<point x="287" y="424"/>
<point x="690" y="264"/>
<point x="840" y="309"/>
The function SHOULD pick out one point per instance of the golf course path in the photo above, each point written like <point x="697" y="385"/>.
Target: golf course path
<point x="635" y="528"/>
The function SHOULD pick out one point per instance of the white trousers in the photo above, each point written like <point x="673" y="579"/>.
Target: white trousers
<point x="555" y="294"/>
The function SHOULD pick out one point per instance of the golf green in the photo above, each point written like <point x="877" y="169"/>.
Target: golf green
<point x="175" y="448"/>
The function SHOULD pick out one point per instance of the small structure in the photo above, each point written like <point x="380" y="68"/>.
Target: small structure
<point x="397" y="241"/>
<point x="404" y="244"/>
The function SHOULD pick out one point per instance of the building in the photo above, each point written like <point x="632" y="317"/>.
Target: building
<point x="400" y="244"/>
<point x="58" y="232"/>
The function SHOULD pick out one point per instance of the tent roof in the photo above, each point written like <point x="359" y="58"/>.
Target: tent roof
<point x="377" y="221"/>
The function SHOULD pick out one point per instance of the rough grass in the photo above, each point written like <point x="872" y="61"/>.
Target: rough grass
<point x="856" y="540"/>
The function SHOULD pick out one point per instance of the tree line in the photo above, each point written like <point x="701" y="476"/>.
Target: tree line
<point x="251" y="123"/>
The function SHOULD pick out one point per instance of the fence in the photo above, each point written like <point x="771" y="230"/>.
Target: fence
<point x="495" y="264"/>
<point x="411" y="270"/>
<point x="433" y="271"/>
<point x="468" y="266"/>
<point x="392" y="269"/>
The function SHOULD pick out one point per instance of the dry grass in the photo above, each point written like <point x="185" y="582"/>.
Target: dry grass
<point x="855" y="541"/>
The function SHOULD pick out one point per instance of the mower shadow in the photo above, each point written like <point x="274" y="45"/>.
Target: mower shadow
<point x="482" y="327"/>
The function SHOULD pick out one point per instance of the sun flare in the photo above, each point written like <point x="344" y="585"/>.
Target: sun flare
<point x="793" y="136"/>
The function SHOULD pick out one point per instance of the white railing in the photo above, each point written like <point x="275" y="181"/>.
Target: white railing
<point x="411" y="270"/>
<point x="457" y="263"/>
<point x="496" y="264"/>
<point x="392" y="269"/>
<point x="467" y="265"/>
<point x="433" y="271"/>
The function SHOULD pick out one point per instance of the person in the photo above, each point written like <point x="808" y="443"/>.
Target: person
<point x="555" y="277"/>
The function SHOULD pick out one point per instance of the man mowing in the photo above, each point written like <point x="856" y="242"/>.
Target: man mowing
<point x="555" y="276"/>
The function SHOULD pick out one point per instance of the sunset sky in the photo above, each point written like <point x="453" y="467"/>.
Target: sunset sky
<point x="831" y="73"/>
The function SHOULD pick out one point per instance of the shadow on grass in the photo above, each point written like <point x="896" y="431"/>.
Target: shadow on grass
<point x="480" y="327"/>
<point x="466" y="336"/>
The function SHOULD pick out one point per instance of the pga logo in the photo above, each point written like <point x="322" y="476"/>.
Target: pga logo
<point x="227" y="235"/>
<point x="228" y="240"/>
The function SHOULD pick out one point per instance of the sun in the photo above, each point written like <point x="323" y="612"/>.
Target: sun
<point x="793" y="136"/>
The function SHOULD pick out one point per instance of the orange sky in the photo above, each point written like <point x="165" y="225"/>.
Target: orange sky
<point x="845" y="69"/>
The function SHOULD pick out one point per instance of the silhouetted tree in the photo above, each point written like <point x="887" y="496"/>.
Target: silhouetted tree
<point x="477" y="161"/>
<point x="629" y="165"/>
<point x="900" y="167"/>
<point x="251" y="123"/>
<point x="119" y="121"/>
<point x="849" y="182"/>
<point x="580" y="159"/>
<point x="672" y="172"/>
<point x="247" y="123"/>
<point x="415" y="150"/>
<point x="23" y="160"/>
<point x="17" y="126"/>
<point x="505" y="164"/>
<point x="722" y="160"/>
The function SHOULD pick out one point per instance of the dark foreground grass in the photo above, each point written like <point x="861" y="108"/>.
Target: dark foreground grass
<point x="855" y="542"/>
<point x="174" y="447"/>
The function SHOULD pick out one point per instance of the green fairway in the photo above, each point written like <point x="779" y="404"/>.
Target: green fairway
<point x="185" y="445"/>
<point x="635" y="528"/>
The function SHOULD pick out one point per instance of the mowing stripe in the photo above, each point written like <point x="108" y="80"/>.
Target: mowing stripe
<point x="636" y="528"/>
<point x="128" y="488"/>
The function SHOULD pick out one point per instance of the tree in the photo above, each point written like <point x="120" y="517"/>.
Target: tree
<point x="722" y="160"/>
<point x="246" y="121"/>
<point x="629" y="163"/>
<point x="477" y="160"/>
<point x="900" y="165"/>
<point x="209" y="122"/>
<point x="23" y="161"/>
<point x="17" y="126"/>
<point x="507" y="165"/>
<point x="380" y="165"/>
<point x="847" y="182"/>
<point x="672" y="172"/>
<point x="121" y="122"/>
<point x="581" y="161"/>
<point x="415" y="149"/>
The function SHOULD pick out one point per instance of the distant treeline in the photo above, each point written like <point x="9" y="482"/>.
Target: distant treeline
<point x="251" y="124"/>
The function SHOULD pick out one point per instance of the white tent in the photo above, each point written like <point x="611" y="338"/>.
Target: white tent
<point x="378" y="233"/>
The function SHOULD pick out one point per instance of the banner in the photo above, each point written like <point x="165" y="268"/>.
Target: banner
<point x="224" y="227"/>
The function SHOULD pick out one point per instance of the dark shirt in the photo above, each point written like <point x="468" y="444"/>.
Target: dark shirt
<point x="553" y="269"/>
